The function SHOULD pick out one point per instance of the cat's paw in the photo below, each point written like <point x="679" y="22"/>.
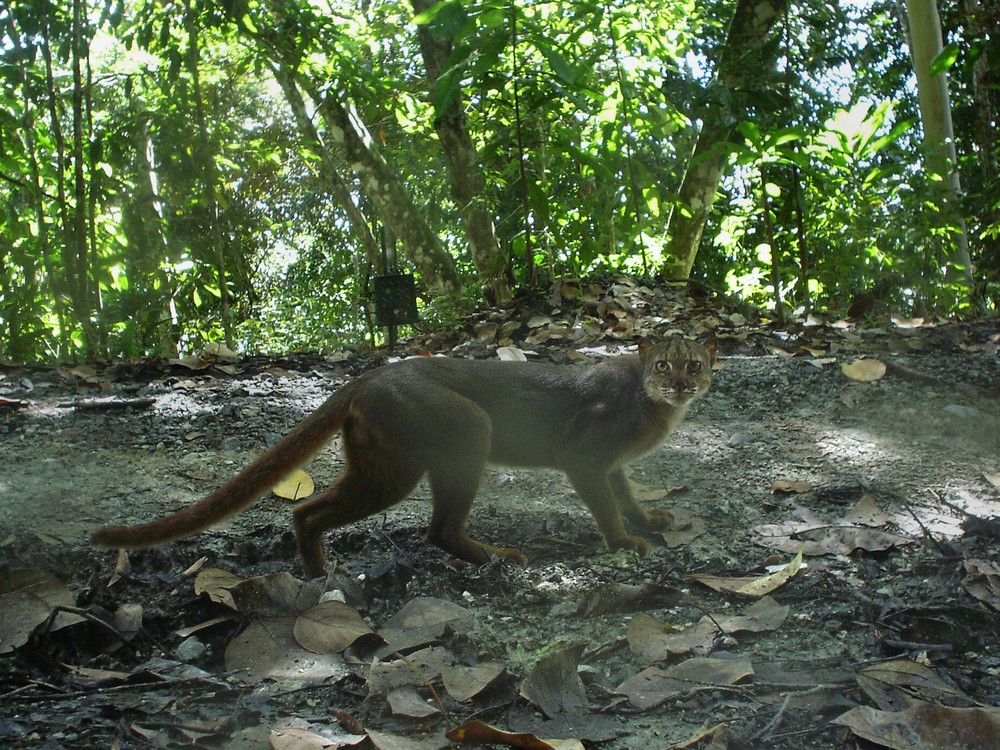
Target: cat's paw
<point x="634" y="543"/>
<point x="660" y="519"/>
<point x="506" y="553"/>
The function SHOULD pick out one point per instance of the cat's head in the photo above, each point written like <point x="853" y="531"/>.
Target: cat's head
<point x="677" y="370"/>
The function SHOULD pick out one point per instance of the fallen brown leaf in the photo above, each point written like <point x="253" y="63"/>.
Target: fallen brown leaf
<point x="926" y="727"/>
<point x="476" y="731"/>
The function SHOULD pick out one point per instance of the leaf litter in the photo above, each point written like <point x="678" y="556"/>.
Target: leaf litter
<point x="889" y="631"/>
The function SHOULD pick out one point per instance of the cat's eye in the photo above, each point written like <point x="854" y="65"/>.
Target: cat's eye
<point x="694" y="366"/>
<point x="662" y="365"/>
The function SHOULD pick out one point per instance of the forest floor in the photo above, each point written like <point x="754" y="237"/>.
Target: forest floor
<point x="885" y="479"/>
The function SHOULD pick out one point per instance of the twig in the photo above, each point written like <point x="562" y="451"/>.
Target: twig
<point x="428" y="685"/>
<point x="767" y="732"/>
<point x="47" y="629"/>
<point x="165" y="682"/>
<point x="110" y="404"/>
<point x="911" y="646"/>
<point x="945" y="552"/>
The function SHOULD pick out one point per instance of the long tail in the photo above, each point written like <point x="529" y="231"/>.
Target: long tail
<point x="305" y="439"/>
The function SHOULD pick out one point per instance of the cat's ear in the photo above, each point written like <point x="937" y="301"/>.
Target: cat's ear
<point x="645" y="344"/>
<point x="711" y="347"/>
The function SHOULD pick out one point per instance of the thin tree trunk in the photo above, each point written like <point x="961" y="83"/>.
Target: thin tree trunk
<point x="62" y="283"/>
<point x="939" y="135"/>
<point x="378" y="181"/>
<point x="206" y="156"/>
<point x="329" y="175"/>
<point x="389" y="195"/>
<point x="142" y="221"/>
<point x="78" y="237"/>
<point x="468" y="186"/>
<point x="738" y="65"/>
<point x="20" y="348"/>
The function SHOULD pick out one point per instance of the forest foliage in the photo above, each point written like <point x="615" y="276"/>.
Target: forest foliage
<point x="176" y="173"/>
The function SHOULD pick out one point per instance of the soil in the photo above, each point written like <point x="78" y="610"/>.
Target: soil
<point x="922" y="443"/>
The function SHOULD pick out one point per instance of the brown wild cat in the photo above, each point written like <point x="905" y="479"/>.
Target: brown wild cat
<point x="448" y="418"/>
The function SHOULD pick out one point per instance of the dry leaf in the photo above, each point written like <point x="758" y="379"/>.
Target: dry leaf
<point x="864" y="370"/>
<point x="127" y="620"/>
<point x="511" y="354"/>
<point x="192" y="629"/>
<point x="295" y="486"/>
<point x="649" y="639"/>
<point x="27" y="598"/>
<point x="822" y="539"/>
<point x="553" y="684"/>
<point x="926" y="727"/>
<point x="419" y="668"/>
<point x="215" y="583"/>
<point x="123" y="566"/>
<point x="719" y="734"/>
<point x="822" y="362"/>
<point x="653" y="642"/>
<point x="465" y="683"/>
<point x="87" y="677"/>
<point x="191" y="362"/>
<point x="653" y="686"/>
<point x="867" y="513"/>
<point x="983" y="581"/>
<point x="195" y="567"/>
<point x="218" y="350"/>
<point x="477" y="732"/>
<point x="773" y="581"/>
<point x="299" y="734"/>
<point x="993" y="479"/>
<point x="405" y="701"/>
<point x="761" y="616"/>
<point x="722" y="584"/>
<point x="330" y="627"/>
<point x="272" y="595"/>
<point x="386" y="741"/>
<point x="487" y="333"/>
<point x="422" y="621"/>
<point x="840" y="537"/>
<point x="687" y="527"/>
<point x="267" y="649"/>
<point x="752" y="585"/>
<point x="900" y="684"/>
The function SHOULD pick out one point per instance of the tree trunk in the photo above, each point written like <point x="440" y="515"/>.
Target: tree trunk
<point x="388" y="194"/>
<point x="939" y="136"/>
<point x="349" y="133"/>
<point x="22" y="316"/>
<point x="329" y="175"/>
<point x="205" y="154"/>
<point x="464" y="171"/>
<point x="142" y="221"/>
<point x="77" y="236"/>
<point x="739" y="64"/>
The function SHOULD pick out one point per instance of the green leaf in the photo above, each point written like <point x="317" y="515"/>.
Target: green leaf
<point x="945" y="59"/>
<point x="559" y="64"/>
<point x="430" y="15"/>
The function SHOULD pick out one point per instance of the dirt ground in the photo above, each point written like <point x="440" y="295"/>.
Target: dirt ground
<point x="582" y="642"/>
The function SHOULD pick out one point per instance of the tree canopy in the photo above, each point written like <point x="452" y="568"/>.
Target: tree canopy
<point x="174" y="173"/>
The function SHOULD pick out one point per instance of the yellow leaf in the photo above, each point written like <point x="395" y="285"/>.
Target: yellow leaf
<point x="295" y="486"/>
<point x="865" y="370"/>
<point x="769" y="583"/>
